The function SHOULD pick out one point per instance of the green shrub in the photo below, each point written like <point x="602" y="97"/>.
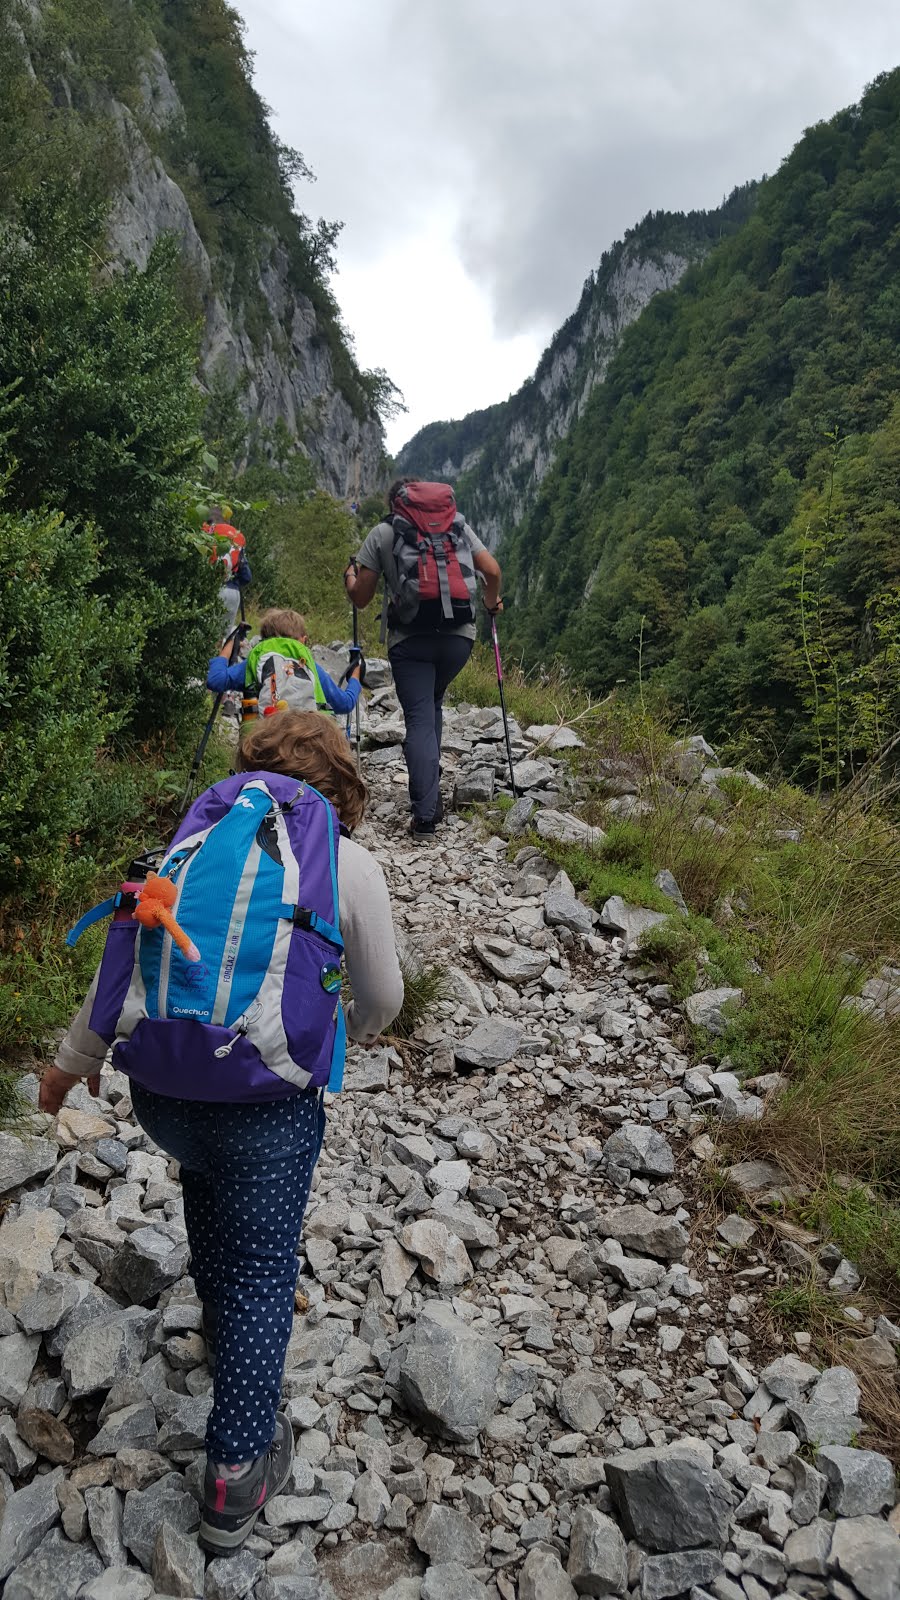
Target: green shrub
<point x="58" y="650"/>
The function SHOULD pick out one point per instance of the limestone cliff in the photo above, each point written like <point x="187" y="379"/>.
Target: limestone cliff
<point x="498" y="457"/>
<point x="286" y="358"/>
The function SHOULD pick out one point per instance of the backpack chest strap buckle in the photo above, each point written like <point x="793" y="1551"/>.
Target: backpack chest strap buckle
<point x="311" y="922"/>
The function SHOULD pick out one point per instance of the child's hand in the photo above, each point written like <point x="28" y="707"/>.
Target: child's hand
<point x="55" y="1085"/>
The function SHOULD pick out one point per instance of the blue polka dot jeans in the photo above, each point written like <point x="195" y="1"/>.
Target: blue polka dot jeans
<point x="245" y="1172"/>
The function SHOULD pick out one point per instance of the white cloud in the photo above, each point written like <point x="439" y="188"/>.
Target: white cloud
<point x="483" y="153"/>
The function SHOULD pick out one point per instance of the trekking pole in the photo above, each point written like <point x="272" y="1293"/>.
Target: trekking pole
<point x="496" y="643"/>
<point x="356" y="707"/>
<point x="197" y="762"/>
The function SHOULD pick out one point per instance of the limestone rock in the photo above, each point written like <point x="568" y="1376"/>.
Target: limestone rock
<point x="445" y="1535"/>
<point x="146" y="1510"/>
<point x="542" y="1578"/>
<point x="597" y="1559"/>
<point x="24" y="1159"/>
<point x="712" y="1008"/>
<point x="147" y="1263"/>
<point x="679" y="1572"/>
<point x="28" y="1515"/>
<point x="669" y="1498"/>
<point x="55" y="1570"/>
<point x="645" y="1231"/>
<point x="640" y="1148"/>
<point x="514" y="963"/>
<point x="860" y="1482"/>
<point x="568" y="829"/>
<point x="178" y="1566"/>
<point x="448" y="1374"/>
<point x="866" y="1552"/>
<point x="491" y="1044"/>
<point x="629" y="921"/>
<point x="443" y="1256"/>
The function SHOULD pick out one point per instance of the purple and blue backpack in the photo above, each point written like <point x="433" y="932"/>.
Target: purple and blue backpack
<point x="254" y="864"/>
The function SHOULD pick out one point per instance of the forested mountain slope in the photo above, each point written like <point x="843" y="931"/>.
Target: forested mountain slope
<point x="161" y="93"/>
<point x="725" y="514"/>
<point x="499" y="456"/>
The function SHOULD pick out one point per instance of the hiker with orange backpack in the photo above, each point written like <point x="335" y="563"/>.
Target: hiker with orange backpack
<point x="431" y="561"/>
<point x="229" y="553"/>
<point x="220" y="994"/>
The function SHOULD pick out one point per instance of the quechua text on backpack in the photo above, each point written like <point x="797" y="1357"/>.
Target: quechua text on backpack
<point x="258" y="1017"/>
<point x="436" y="580"/>
<point x="282" y="672"/>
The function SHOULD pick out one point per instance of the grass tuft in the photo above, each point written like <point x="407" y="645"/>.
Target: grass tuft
<point x="424" y="986"/>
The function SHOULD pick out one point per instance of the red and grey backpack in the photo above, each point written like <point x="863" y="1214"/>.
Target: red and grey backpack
<point x="436" y="579"/>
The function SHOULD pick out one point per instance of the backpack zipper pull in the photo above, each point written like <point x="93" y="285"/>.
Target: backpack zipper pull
<point x="240" y="1031"/>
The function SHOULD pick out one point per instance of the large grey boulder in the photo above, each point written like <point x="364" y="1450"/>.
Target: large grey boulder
<point x="97" y="1356"/>
<point x="146" y="1510"/>
<point x="866" y="1552"/>
<point x="678" y="1572"/>
<point x="514" y="963"/>
<point x="442" y="1255"/>
<point x="713" y="1009"/>
<point x="563" y="909"/>
<point x="178" y="1565"/>
<point x="24" y="1159"/>
<point x="647" y="1232"/>
<point x="638" y="1146"/>
<point x="598" y="1564"/>
<point x="584" y="1400"/>
<point x="542" y="1578"/>
<point x="533" y="773"/>
<point x="27" y="1243"/>
<point x="29" y="1514"/>
<point x="860" y="1482"/>
<point x="518" y="816"/>
<point x="491" y="1044"/>
<point x="445" y="1535"/>
<point x="232" y="1577"/>
<point x="148" y="1262"/>
<point x="568" y="829"/>
<point x="475" y="786"/>
<point x="617" y="916"/>
<point x="448" y="1374"/>
<point x="18" y="1354"/>
<point x="449" y="1581"/>
<point x="670" y="1497"/>
<point x="830" y="1414"/>
<point x="56" y="1570"/>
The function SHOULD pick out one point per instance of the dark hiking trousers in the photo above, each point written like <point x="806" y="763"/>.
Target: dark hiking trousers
<point x="424" y="665"/>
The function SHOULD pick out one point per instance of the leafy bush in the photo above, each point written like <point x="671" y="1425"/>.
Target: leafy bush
<point x="58" y="649"/>
<point x="99" y="419"/>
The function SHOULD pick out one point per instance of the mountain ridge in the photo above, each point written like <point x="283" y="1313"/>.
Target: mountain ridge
<point x="504" y="451"/>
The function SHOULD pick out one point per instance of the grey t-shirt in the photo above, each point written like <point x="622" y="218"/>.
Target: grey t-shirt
<point x="377" y="554"/>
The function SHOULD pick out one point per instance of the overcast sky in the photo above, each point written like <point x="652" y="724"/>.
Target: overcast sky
<point x="483" y="153"/>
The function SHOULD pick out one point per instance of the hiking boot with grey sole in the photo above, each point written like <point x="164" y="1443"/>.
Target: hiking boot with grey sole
<point x="232" y="1501"/>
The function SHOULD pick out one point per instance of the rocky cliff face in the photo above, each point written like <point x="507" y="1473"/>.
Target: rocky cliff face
<point x="498" y="457"/>
<point x="282" y="368"/>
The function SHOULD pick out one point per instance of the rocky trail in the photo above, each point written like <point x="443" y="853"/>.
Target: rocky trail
<point x="530" y="1360"/>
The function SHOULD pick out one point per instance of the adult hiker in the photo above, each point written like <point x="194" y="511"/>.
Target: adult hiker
<point x="281" y="673"/>
<point x="430" y="560"/>
<point x="228" y="1054"/>
<point x="229" y="553"/>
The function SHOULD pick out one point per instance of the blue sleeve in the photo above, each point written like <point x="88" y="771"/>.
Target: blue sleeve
<point x="244" y="574"/>
<point x="339" y="700"/>
<point x="221" y="676"/>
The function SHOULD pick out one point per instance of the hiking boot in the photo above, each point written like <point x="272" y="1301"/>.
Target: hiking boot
<point x="209" y="1320"/>
<point x="422" y="830"/>
<point x="233" y="1497"/>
